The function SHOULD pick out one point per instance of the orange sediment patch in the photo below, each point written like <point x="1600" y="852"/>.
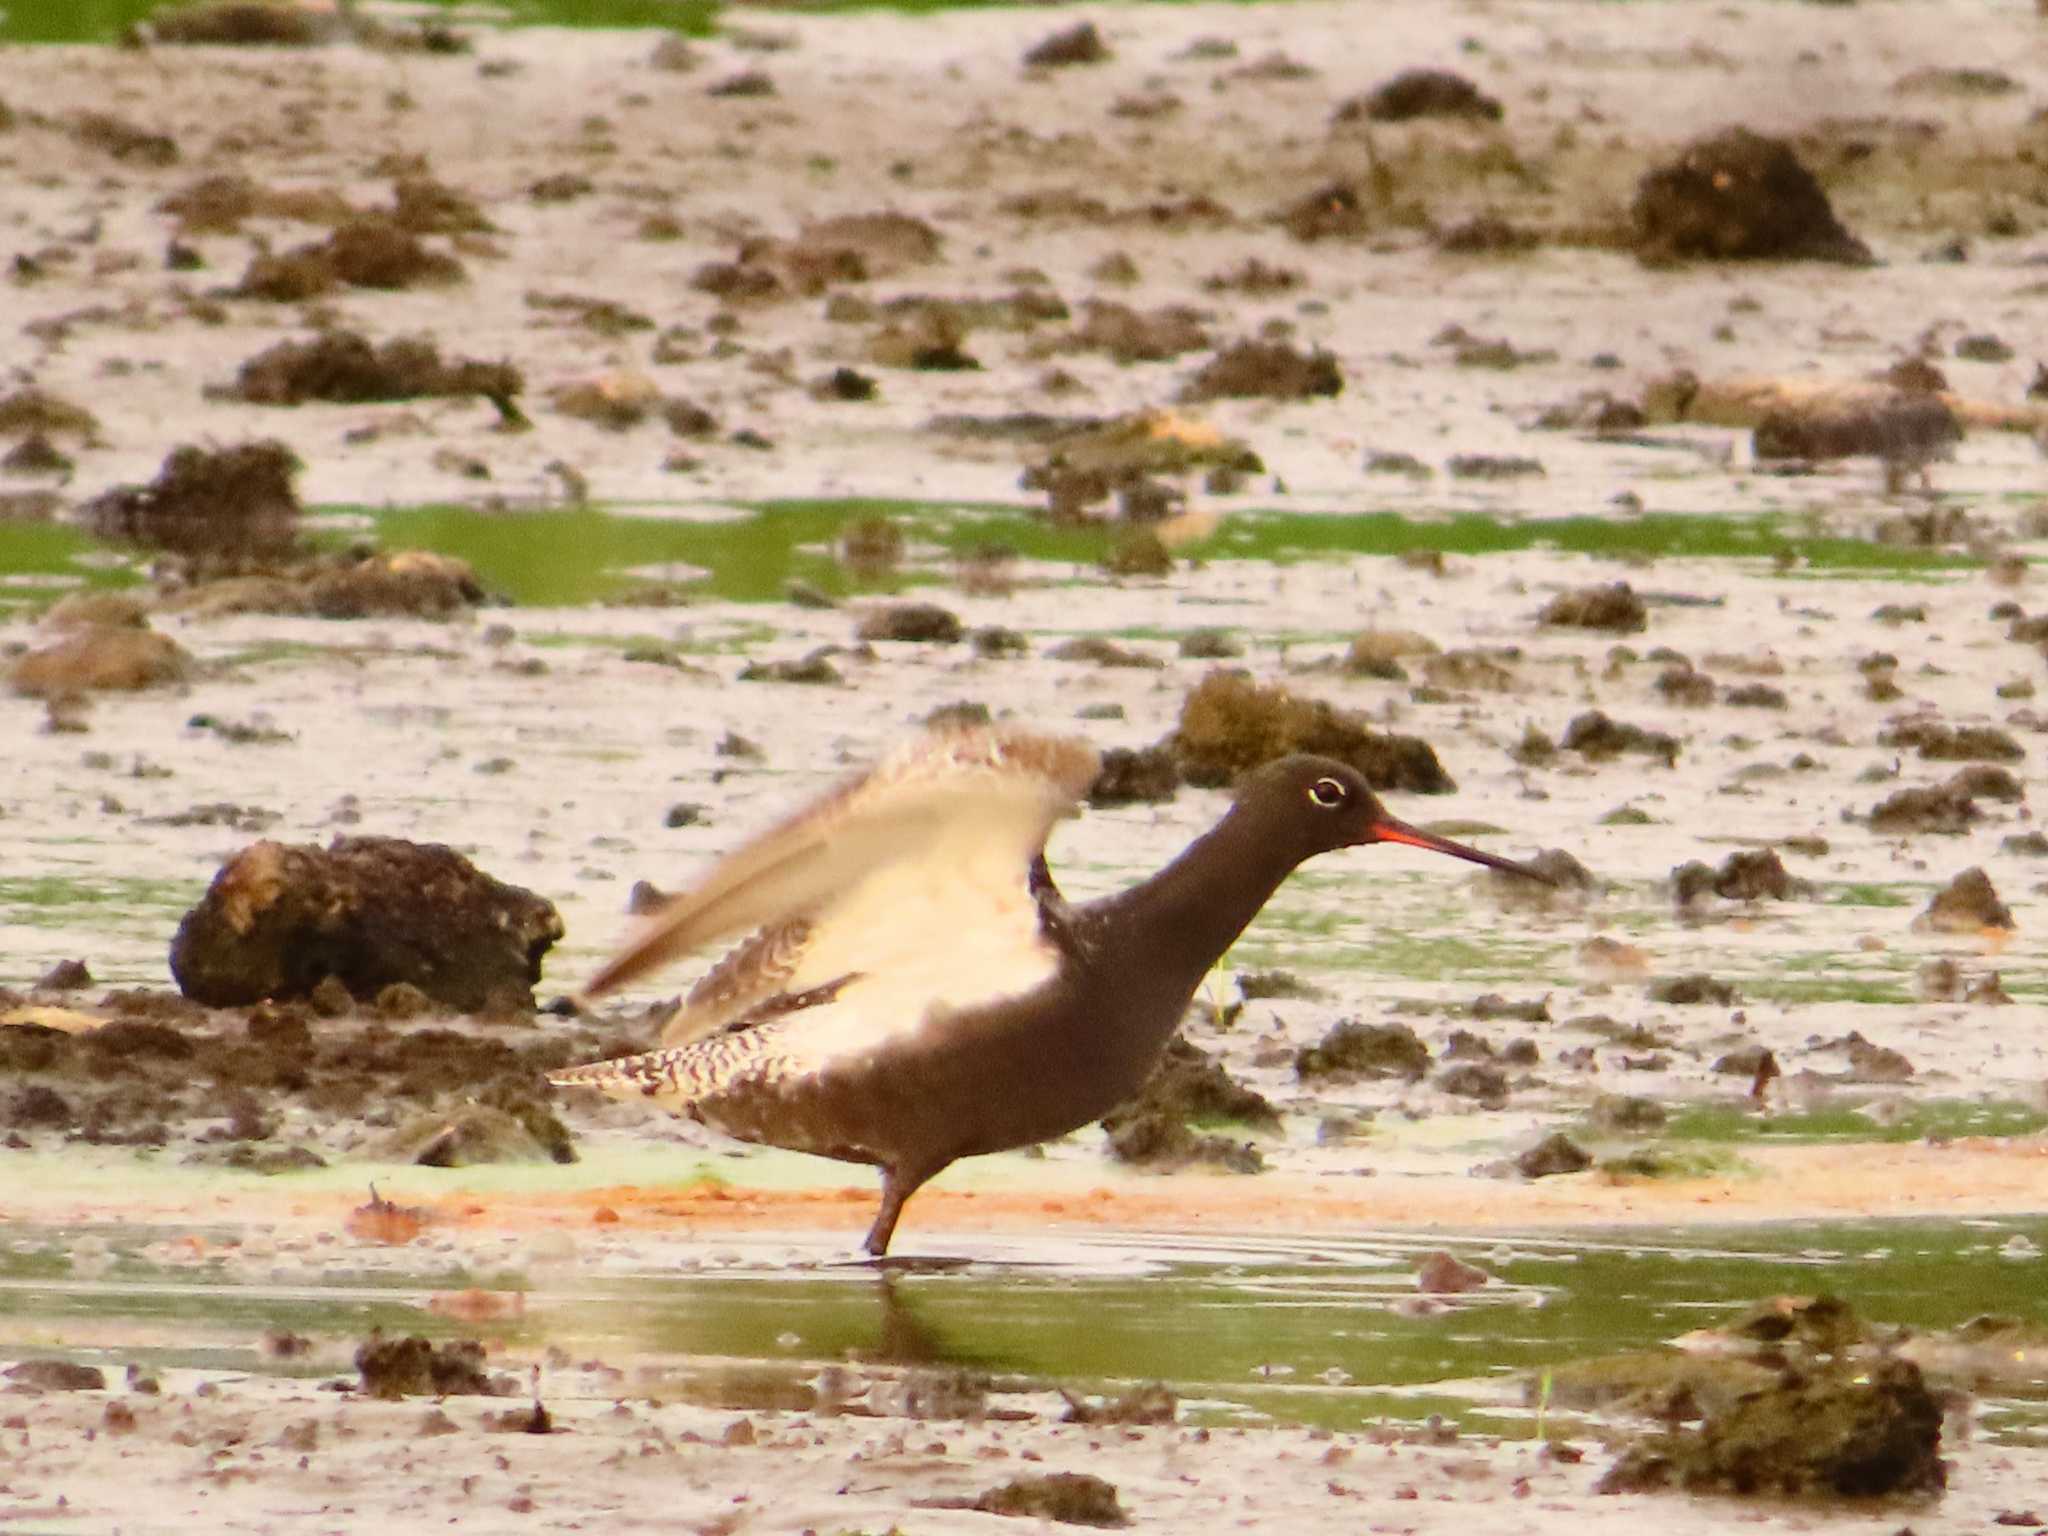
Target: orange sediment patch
<point x="1865" y="1180"/>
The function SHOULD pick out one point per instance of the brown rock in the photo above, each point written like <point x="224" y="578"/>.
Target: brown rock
<point x="280" y="918"/>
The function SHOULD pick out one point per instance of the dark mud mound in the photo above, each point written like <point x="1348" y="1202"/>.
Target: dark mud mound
<point x="1087" y="462"/>
<point x="216" y="506"/>
<point x="1600" y="739"/>
<point x="1333" y="212"/>
<point x="1351" y="1050"/>
<point x="417" y="1367"/>
<point x="1846" y="1432"/>
<point x="236" y="23"/>
<point x="1902" y="429"/>
<point x="404" y="583"/>
<point x="1141" y="776"/>
<point x="345" y="367"/>
<point x="1152" y="1131"/>
<point x="1738" y="195"/>
<point x="1755" y="874"/>
<point x="1078" y="44"/>
<point x="1967" y="904"/>
<point x="1417" y="93"/>
<point x="1269" y="370"/>
<point x="369" y="911"/>
<point x="1230" y="725"/>
<point x="1070" y="1498"/>
<point x="369" y="251"/>
<point x="162" y="1071"/>
<point x="1614" y="607"/>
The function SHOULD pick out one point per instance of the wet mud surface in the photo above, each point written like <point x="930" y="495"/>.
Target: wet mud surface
<point x="1066" y="391"/>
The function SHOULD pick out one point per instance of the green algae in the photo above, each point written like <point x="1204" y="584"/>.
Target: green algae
<point x="1317" y="1329"/>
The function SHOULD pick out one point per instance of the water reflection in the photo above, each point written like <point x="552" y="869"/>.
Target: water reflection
<point x="1329" y="1330"/>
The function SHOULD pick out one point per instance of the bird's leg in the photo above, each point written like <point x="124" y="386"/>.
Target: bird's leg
<point x="898" y="1185"/>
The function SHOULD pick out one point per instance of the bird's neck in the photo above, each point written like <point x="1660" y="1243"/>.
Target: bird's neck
<point x="1183" y="919"/>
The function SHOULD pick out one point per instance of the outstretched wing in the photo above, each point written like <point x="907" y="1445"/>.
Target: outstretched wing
<point x="915" y="876"/>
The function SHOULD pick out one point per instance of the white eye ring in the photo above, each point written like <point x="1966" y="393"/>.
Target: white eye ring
<point x="1327" y="793"/>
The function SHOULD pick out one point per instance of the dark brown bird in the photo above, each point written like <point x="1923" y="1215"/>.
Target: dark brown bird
<point x="915" y="990"/>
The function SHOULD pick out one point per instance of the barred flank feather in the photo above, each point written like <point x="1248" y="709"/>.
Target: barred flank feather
<point x="902" y="892"/>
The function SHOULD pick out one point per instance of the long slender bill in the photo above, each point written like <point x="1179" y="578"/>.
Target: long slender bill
<point x="1388" y="830"/>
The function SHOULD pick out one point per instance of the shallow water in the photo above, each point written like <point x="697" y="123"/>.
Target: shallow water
<point x="1326" y="1332"/>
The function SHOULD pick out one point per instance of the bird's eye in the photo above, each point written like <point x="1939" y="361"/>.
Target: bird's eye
<point x="1327" y="793"/>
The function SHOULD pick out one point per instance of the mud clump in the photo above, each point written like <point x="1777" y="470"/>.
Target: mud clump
<point x="1151" y="1402"/>
<point x="471" y="1135"/>
<point x="235" y="23"/>
<point x="281" y="918"/>
<point x="1085" y="463"/>
<point x="1144" y="776"/>
<point x="368" y="251"/>
<point x="814" y="669"/>
<point x="37" y="412"/>
<point x="1071" y="1498"/>
<point x="1749" y="875"/>
<point x="823" y="255"/>
<point x="1844" y="1431"/>
<point x="1738" y="195"/>
<point x="219" y="205"/>
<point x="1948" y="809"/>
<point x="1379" y="652"/>
<point x="214" y="506"/>
<point x="916" y="623"/>
<point x="1351" y="1050"/>
<point x="1230" y="725"/>
<point x="1600" y="739"/>
<point x="885" y="242"/>
<point x="345" y="367"/>
<point x="1078" y="44"/>
<point x="101" y="658"/>
<point x="56" y="1376"/>
<point x="1270" y="370"/>
<point x="1190" y="1084"/>
<point x="1139" y="336"/>
<point x="404" y="583"/>
<point x="1445" y="1274"/>
<point x="1944" y="743"/>
<point x="1967" y="904"/>
<point x="1685" y="687"/>
<point x="1164" y="1143"/>
<point x="1494" y="466"/>
<point x="164" y="1071"/>
<point x="1692" y="989"/>
<point x="1139" y="551"/>
<point x="1903" y="430"/>
<point x="1614" y="607"/>
<point x="1101" y="651"/>
<point x="1555" y="1154"/>
<point x="416" y="1367"/>
<point x="1417" y="93"/>
<point x="125" y="141"/>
